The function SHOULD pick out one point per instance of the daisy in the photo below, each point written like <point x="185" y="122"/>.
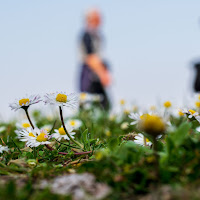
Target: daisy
<point x="33" y="137"/>
<point x="74" y="123"/>
<point x="122" y="102"/>
<point x="2" y="129"/>
<point x="88" y="98"/>
<point x="84" y="97"/>
<point x="24" y="102"/>
<point x="25" y="134"/>
<point x="47" y="127"/>
<point x="167" y="104"/>
<point x="60" y="133"/>
<point x="136" y="118"/>
<point x="97" y="98"/>
<point x="191" y="114"/>
<point x="3" y="148"/>
<point x="140" y="139"/>
<point x="124" y="125"/>
<point x="23" y="125"/>
<point x="61" y="99"/>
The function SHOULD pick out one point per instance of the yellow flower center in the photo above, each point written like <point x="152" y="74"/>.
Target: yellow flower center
<point x="72" y="123"/>
<point x="83" y="96"/>
<point x="108" y="133"/>
<point x="147" y="140"/>
<point x="61" y="98"/>
<point x="99" y="155"/>
<point x="135" y="108"/>
<point x="142" y="116"/>
<point x="31" y="134"/>
<point x="153" y="108"/>
<point x="122" y="102"/>
<point x="167" y="104"/>
<point x="23" y="101"/>
<point x="180" y="113"/>
<point x="61" y="131"/>
<point x="26" y="125"/>
<point x="42" y="137"/>
<point x="197" y="104"/>
<point x="192" y="111"/>
<point x="126" y="111"/>
<point x="47" y="129"/>
<point x="151" y="124"/>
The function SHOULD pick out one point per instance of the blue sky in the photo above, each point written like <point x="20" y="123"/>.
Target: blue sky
<point x="150" y="45"/>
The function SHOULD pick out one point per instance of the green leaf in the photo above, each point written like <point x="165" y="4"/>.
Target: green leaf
<point x="85" y="139"/>
<point x="113" y="143"/>
<point x="180" y="134"/>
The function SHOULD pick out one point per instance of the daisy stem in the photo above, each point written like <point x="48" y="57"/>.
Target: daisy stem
<point x="155" y="149"/>
<point x="26" y="111"/>
<point x="145" y="141"/>
<point x="34" y="152"/>
<point x="61" y="117"/>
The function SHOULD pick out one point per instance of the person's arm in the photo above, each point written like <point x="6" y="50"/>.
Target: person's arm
<point x="94" y="62"/>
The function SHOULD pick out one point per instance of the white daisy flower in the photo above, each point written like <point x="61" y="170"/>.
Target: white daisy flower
<point x="88" y="98"/>
<point x="140" y="139"/>
<point x="47" y="127"/>
<point x="33" y="137"/>
<point x="2" y="129"/>
<point x="191" y="114"/>
<point x="24" y="102"/>
<point x="136" y="118"/>
<point x="24" y="124"/>
<point x="3" y="148"/>
<point x="198" y="129"/>
<point x="124" y="125"/>
<point x="60" y="133"/>
<point x="25" y="135"/>
<point x="97" y="98"/>
<point x="61" y="99"/>
<point x="74" y="123"/>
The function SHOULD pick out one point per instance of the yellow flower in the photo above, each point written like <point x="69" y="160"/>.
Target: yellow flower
<point x="180" y="113"/>
<point x="83" y="96"/>
<point x="167" y="104"/>
<point x="197" y="104"/>
<point x="23" y="101"/>
<point x="150" y="159"/>
<point x="108" y="133"/>
<point x="61" y="98"/>
<point x="99" y="155"/>
<point x="152" y="108"/>
<point x="192" y="111"/>
<point x="42" y="137"/>
<point x="72" y="123"/>
<point x="126" y="111"/>
<point x="135" y="108"/>
<point x="122" y="102"/>
<point x="127" y="168"/>
<point x="61" y="131"/>
<point x="152" y="124"/>
<point x="26" y="125"/>
<point x="31" y="134"/>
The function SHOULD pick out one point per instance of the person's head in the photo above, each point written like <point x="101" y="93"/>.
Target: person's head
<point x="93" y="18"/>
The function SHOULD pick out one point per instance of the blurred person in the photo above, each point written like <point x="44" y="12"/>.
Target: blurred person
<point x="95" y="76"/>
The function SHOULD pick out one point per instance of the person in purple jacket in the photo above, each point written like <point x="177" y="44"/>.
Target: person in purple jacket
<point x="95" y="76"/>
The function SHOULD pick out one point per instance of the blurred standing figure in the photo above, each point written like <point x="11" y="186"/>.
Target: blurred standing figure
<point x="95" y="76"/>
